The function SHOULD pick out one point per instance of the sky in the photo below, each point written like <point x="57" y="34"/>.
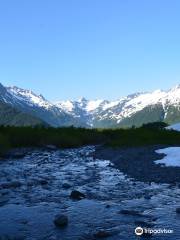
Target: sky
<point x="66" y="49"/>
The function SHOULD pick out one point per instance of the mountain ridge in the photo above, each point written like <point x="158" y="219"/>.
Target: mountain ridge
<point x="124" y="112"/>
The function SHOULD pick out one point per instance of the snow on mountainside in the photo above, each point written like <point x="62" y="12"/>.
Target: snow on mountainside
<point x="36" y="105"/>
<point x="129" y="110"/>
<point x="108" y="113"/>
<point x="124" y="107"/>
<point x="29" y="97"/>
<point x="82" y="104"/>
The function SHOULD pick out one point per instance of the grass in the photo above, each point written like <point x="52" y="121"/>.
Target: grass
<point x="11" y="137"/>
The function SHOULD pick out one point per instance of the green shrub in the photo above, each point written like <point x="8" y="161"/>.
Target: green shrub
<point x="75" y="137"/>
<point x="4" y="144"/>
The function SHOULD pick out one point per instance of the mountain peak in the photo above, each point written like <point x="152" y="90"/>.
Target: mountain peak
<point x="82" y="99"/>
<point x="96" y="113"/>
<point x="177" y="87"/>
<point x="28" y="96"/>
<point x="18" y="90"/>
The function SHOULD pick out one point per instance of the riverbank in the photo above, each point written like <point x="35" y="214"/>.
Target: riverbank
<point x="139" y="163"/>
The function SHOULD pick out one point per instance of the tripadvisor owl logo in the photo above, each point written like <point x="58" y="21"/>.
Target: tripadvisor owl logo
<point x="139" y="231"/>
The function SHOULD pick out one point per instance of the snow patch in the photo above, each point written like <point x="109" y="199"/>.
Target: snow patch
<point x="28" y="97"/>
<point x="65" y="105"/>
<point x="92" y="105"/>
<point x="175" y="127"/>
<point x="111" y="104"/>
<point x="172" y="157"/>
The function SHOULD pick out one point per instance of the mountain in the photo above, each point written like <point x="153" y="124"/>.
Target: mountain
<point x="134" y="109"/>
<point x="10" y="116"/>
<point x="36" y="105"/>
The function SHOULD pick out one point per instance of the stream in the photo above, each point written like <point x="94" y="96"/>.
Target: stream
<point x="36" y="187"/>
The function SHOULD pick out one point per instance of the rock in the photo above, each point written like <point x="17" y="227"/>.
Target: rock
<point x="66" y="185"/>
<point x="130" y="212"/>
<point x="43" y="182"/>
<point x="13" y="184"/>
<point x="61" y="220"/>
<point x="108" y="206"/>
<point x="178" y="210"/>
<point x="102" y="234"/>
<point x="77" y="195"/>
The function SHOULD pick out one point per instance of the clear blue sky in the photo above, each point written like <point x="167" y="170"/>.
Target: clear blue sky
<point x="93" y="48"/>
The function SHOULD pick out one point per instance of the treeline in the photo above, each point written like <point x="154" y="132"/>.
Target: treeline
<point x="149" y="134"/>
<point x="12" y="137"/>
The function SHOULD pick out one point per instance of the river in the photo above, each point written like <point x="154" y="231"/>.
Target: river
<point x="36" y="187"/>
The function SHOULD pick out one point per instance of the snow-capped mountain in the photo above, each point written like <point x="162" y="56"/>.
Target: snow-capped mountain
<point x="27" y="96"/>
<point x="35" y="105"/>
<point x="134" y="109"/>
<point x="83" y="109"/>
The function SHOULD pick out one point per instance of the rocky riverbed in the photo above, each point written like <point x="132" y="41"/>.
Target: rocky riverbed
<point x="53" y="194"/>
<point x="140" y="163"/>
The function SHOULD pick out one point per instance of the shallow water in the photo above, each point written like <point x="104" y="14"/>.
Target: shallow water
<point x="27" y="211"/>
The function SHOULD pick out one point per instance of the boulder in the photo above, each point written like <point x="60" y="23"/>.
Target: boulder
<point x="108" y="206"/>
<point x="76" y="195"/>
<point x="61" y="220"/>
